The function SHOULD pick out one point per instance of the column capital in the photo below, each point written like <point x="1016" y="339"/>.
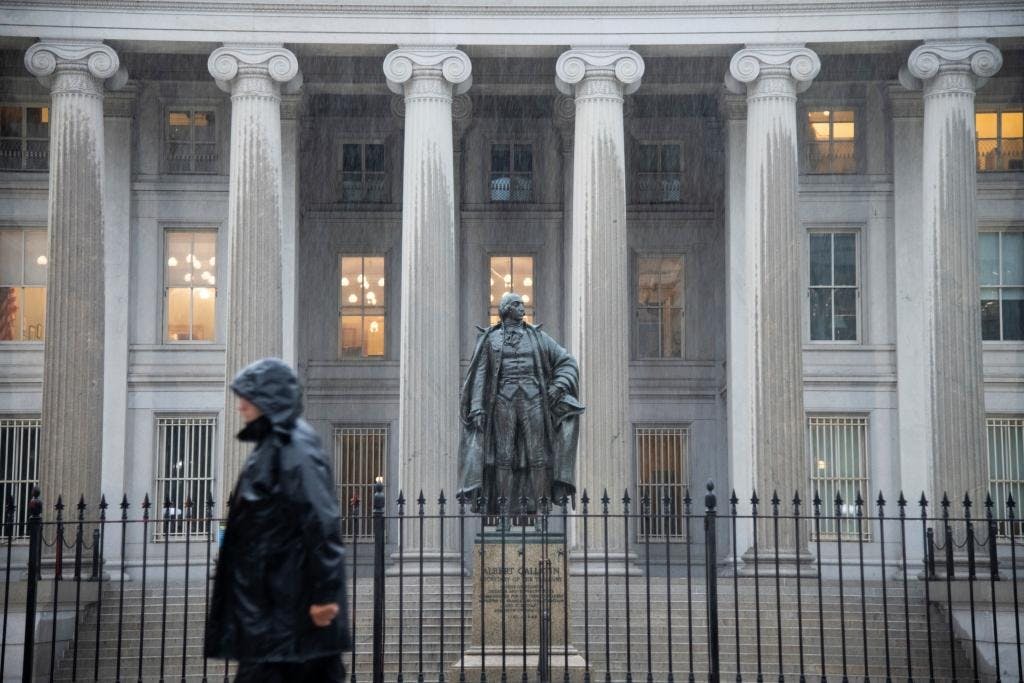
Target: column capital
<point x="970" y="63"/>
<point x="96" y="64"/>
<point x="250" y="68"/>
<point x="755" y="64"/>
<point x="577" y="63"/>
<point x="450" y="64"/>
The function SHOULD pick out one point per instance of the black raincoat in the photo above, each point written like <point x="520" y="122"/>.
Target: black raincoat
<point x="282" y="548"/>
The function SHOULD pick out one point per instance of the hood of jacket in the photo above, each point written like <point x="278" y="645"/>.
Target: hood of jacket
<point x="271" y="385"/>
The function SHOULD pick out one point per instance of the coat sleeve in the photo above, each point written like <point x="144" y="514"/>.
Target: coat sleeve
<point x="312" y="494"/>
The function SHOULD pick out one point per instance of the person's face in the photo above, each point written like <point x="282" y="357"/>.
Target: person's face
<point x="516" y="309"/>
<point x="247" y="410"/>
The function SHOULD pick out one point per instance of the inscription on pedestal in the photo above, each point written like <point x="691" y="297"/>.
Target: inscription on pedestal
<point x="534" y="577"/>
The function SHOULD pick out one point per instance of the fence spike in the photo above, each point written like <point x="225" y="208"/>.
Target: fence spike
<point x="81" y="505"/>
<point x="880" y="501"/>
<point x="59" y="507"/>
<point x="796" y="500"/>
<point x="754" y="500"/>
<point x="775" y="502"/>
<point x="967" y="505"/>
<point x="605" y="500"/>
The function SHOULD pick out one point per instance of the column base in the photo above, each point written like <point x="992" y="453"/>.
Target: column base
<point x="785" y="566"/>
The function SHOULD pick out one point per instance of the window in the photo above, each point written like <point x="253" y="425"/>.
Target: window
<point x="512" y="274"/>
<point x="839" y="465"/>
<point x="184" y="479"/>
<point x="1001" y="274"/>
<point x="190" y="284"/>
<point x="191" y="141"/>
<point x="833" y="286"/>
<point x="511" y="172"/>
<point x="661" y="477"/>
<point x="24" y="138"/>
<point x="659" y="173"/>
<point x="1006" y="469"/>
<point x="361" y="324"/>
<point x="364" y="173"/>
<point x="659" y="310"/>
<point x="23" y="265"/>
<point x="19" y="473"/>
<point x="360" y="456"/>
<point x="1000" y="140"/>
<point x="830" y="141"/>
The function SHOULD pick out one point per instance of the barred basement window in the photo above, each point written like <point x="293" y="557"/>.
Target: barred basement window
<point x="185" y="453"/>
<point x="24" y="138"/>
<point x="662" y="455"/>
<point x="19" y="471"/>
<point x="1006" y="469"/>
<point x="191" y="141"/>
<point x="838" y="447"/>
<point x="360" y="456"/>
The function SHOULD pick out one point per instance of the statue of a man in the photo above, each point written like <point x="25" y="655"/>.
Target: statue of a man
<point x="520" y="415"/>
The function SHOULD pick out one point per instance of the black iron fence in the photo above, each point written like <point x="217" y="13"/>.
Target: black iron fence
<point x="788" y="589"/>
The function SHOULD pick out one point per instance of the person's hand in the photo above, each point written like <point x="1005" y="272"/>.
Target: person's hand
<point x="555" y="393"/>
<point x="477" y="418"/>
<point x="323" y="615"/>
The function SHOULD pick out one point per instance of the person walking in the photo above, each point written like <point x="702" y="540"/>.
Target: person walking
<point x="279" y="603"/>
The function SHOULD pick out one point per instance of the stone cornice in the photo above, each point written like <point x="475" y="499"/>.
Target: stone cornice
<point x="403" y="64"/>
<point x="797" y="62"/>
<point x="579" y="62"/>
<point x="99" y="61"/>
<point x="273" y="61"/>
<point x="976" y="58"/>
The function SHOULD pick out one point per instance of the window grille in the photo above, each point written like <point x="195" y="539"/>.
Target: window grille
<point x="24" y="138"/>
<point x="191" y="141"/>
<point x="1000" y="140"/>
<point x="1006" y="469"/>
<point x="658" y="178"/>
<point x="1001" y="275"/>
<point x="19" y="471"/>
<point x="662" y="456"/>
<point x="831" y="137"/>
<point x="23" y="271"/>
<point x="363" y="311"/>
<point x="512" y="274"/>
<point x="185" y="454"/>
<point x="360" y="456"/>
<point x="838" y="447"/>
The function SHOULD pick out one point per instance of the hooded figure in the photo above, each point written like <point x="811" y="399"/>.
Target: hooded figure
<point x="282" y="552"/>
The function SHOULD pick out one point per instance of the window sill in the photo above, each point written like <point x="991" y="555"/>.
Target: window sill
<point x="22" y="345"/>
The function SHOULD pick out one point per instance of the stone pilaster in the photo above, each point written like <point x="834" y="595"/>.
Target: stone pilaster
<point x="429" y="78"/>
<point x="255" y="76"/>
<point x="76" y="72"/>
<point x="598" y="79"/>
<point x="769" y="339"/>
<point x="949" y="339"/>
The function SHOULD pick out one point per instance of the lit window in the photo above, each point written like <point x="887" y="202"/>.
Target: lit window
<point x="191" y="141"/>
<point x="23" y="266"/>
<point x="1005" y="437"/>
<point x="363" y="305"/>
<point x="24" y="138"/>
<point x="1001" y="274"/>
<point x="830" y="142"/>
<point x="662" y="454"/>
<point x="659" y="310"/>
<point x="364" y="173"/>
<point x="184" y="480"/>
<point x="834" y="287"/>
<point x="19" y="471"/>
<point x="1000" y="140"/>
<point x="658" y="174"/>
<point x="512" y="274"/>
<point x="511" y="173"/>
<point x="190" y="284"/>
<point x="838" y="448"/>
<point x="360" y="456"/>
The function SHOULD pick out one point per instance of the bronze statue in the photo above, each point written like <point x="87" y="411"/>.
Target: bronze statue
<point x="520" y="416"/>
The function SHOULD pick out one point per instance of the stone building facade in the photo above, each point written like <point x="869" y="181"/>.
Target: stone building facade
<point x="786" y="242"/>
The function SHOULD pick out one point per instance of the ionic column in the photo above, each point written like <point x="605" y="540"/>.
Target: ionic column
<point x="429" y="383"/>
<point x="769" y="338"/>
<point x="598" y="313"/>
<point x="949" y="341"/>
<point x="255" y="76"/>
<point x="76" y="72"/>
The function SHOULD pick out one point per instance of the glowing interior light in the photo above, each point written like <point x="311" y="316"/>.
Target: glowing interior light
<point x="374" y="327"/>
<point x="344" y="282"/>
<point x="508" y="279"/>
<point x="821" y="464"/>
<point x="206" y="275"/>
<point x="204" y="293"/>
<point x="172" y="262"/>
<point x="527" y="282"/>
<point x="42" y="260"/>
<point x="188" y="258"/>
<point x="352" y="298"/>
<point x="526" y="298"/>
<point x="380" y="282"/>
<point x="188" y="277"/>
<point x="213" y="260"/>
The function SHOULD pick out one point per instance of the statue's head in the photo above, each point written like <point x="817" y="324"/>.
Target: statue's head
<point x="511" y="306"/>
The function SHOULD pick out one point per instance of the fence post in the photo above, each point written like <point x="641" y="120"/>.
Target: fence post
<point x="711" y="575"/>
<point x="35" y="537"/>
<point x="378" y="581"/>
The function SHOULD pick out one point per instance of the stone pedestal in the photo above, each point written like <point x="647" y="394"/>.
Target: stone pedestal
<point x="519" y="590"/>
